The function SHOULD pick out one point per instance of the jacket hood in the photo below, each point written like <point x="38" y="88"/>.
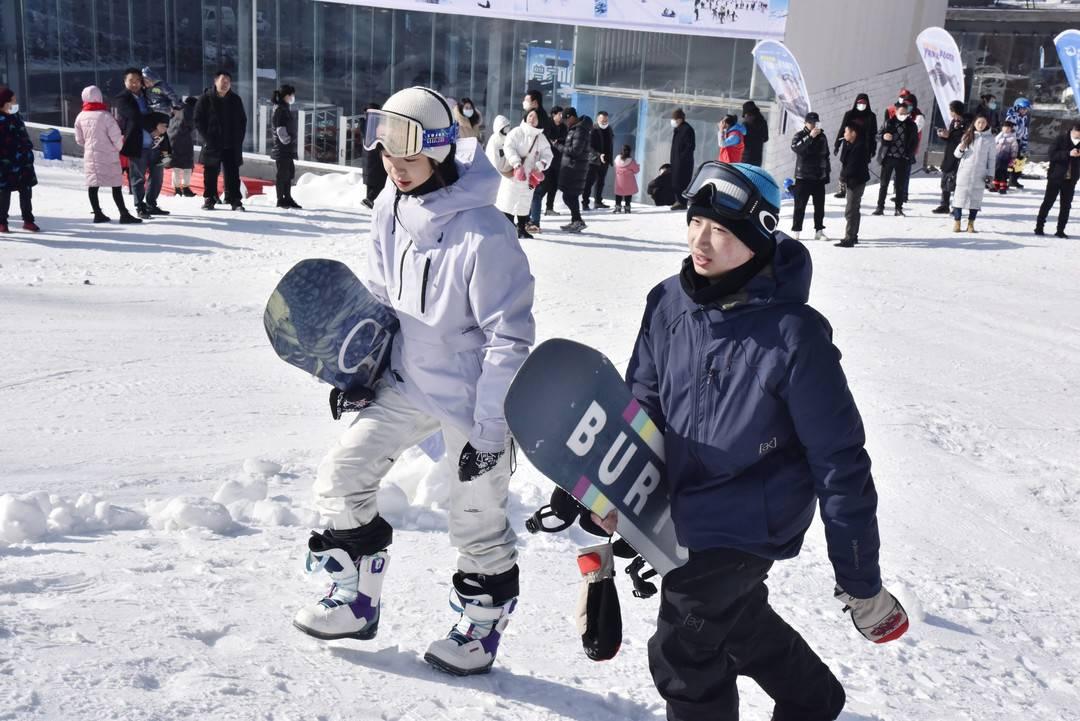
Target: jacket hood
<point x="787" y="280"/>
<point x="530" y="131"/>
<point x="501" y="121"/>
<point x="424" y="217"/>
<point x="92" y="94"/>
<point x="151" y="75"/>
<point x="738" y="127"/>
<point x="861" y="98"/>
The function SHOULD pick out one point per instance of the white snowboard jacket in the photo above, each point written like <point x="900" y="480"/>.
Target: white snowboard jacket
<point x="452" y="269"/>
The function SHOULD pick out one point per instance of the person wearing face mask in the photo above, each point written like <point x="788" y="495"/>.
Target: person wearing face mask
<point x="683" y="145"/>
<point x="988" y="108"/>
<point x="528" y="153"/>
<point x="1061" y="179"/>
<point x="16" y="162"/>
<point x="899" y="138"/>
<point x="975" y="153"/>
<point x="451" y="268"/>
<point x="602" y="142"/>
<point x="729" y="354"/>
<point x="864" y="120"/>
<point x="469" y="120"/>
<point x="812" y="172"/>
<point x="284" y="150"/>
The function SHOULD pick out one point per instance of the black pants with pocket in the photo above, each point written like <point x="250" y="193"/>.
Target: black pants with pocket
<point x="716" y="624"/>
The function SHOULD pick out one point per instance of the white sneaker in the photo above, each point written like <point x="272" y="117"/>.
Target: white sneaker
<point x="796" y="234"/>
<point x="473" y="642"/>
<point x="820" y="235"/>
<point x="351" y="607"/>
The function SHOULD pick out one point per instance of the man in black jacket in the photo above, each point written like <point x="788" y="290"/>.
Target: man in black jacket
<point x="551" y="175"/>
<point x="222" y="123"/>
<point x="575" y="166"/>
<point x="899" y="140"/>
<point x="950" y="163"/>
<point x="683" y="145"/>
<point x="1061" y="179"/>
<point x="864" y="120"/>
<point x="812" y="170"/>
<point x="757" y="134"/>
<point x="854" y="174"/>
<point x="139" y="127"/>
<point x="602" y="142"/>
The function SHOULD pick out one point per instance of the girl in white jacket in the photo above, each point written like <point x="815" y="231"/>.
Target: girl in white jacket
<point x="528" y="153"/>
<point x="976" y="154"/>
<point x="444" y="259"/>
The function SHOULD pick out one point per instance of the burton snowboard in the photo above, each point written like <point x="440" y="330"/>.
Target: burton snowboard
<point x="575" y="419"/>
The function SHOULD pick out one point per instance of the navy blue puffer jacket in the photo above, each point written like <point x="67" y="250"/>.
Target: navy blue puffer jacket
<point x="758" y="420"/>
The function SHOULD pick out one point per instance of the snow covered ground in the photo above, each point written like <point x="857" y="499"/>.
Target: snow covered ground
<point x="157" y="460"/>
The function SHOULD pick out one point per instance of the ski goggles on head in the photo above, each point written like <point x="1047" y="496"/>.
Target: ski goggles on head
<point x="402" y="137"/>
<point x="730" y="193"/>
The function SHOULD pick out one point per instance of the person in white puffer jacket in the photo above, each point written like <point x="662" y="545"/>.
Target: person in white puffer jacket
<point x="528" y="153"/>
<point x="447" y="263"/>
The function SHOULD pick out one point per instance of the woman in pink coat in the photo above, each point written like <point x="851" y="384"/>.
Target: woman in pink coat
<point x="97" y="131"/>
<point x="626" y="170"/>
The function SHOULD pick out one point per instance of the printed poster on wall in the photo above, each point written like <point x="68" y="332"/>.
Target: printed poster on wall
<point x="754" y="19"/>
<point x="785" y="76"/>
<point x="942" y="60"/>
<point x="1068" y="50"/>
<point x="546" y="66"/>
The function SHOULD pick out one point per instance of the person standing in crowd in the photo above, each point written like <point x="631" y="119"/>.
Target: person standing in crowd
<point x="16" y="163"/>
<point x="528" y="153"/>
<point x="222" y="123"/>
<point x="739" y="505"/>
<point x="97" y="131"/>
<point x="988" y="108"/>
<point x="182" y="140"/>
<point x="138" y="124"/>
<point x="602" y="143"/>
<point x="443" y="259"/>
<point x="976" y="155"/>
<point x="660" y="189"/>
<point x="854" y="174"/>
<point x="374" y="172"/>
<point x="812" y="171"/>
<point x="730" y="136"/>
<point x="470" y="122"/>
<point x="899" y="139"/>
<point x="626" y="170"/>
<point x="864" y="120"/>
<point x="575" y="166"/>
<point x="1061" y="179"/>
<point x="284" y="150"/>
<point x="952" y="136"/>
<point x="1007" y="151"/>
<point x="551" y="182"/>
<point x="757" y="134"/>
<point x="1020" y="116"/>
<point x="683" y="145"/>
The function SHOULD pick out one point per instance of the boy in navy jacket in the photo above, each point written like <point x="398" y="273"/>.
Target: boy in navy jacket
<point x="760" y="428"/>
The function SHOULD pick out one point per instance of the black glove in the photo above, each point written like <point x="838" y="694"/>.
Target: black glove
<point x="599" y="618"/>
<point x="350" y="401"/>
<point x="473" y="463"/>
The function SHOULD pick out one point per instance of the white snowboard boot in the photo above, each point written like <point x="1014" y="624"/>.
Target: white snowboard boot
<point x="350" y="608"/>
<point x="485" y="604"/>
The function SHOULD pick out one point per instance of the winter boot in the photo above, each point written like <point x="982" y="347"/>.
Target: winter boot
<point x="878" y="211"/>
<point x="618" y="210"/>
<point x="31" y="226"/>
<point x="292" y="203"/>
<point x="1039" y="229"/>
<point x="1060" y="233"/>
<point x="281" y="201"/>
<point x="956" y="226"/>
<point x="100" y="217"/>
<point x="127" y="218"/>
<point x="350" y="608"/>
<point x="941" y="209"/>
<point x="899" y="211"/>
<point x="485" y="604"/>
<point x="841" y="192"/>
<point x="970" y="226"/>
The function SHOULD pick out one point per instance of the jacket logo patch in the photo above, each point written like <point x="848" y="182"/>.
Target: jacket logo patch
<point x="693" y="622"/>
<point x="767" y="446"/>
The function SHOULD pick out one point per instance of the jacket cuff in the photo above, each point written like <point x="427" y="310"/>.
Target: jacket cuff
<point x="490" y="437"/>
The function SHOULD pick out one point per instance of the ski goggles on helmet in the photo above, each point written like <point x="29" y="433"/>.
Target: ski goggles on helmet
<point x="403" y="137"/>
<point x="729" y="193"/>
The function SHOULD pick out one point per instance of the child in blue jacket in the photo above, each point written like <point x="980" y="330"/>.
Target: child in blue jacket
<point x="760" y="429"/>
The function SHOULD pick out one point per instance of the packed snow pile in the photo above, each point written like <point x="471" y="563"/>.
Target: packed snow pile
<point x="38" y="515"/>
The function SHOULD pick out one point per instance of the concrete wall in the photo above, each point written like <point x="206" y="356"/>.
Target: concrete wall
<point x="846" y="48"/>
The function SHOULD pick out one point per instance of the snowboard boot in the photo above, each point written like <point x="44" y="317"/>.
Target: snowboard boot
<point x="485" y="604"/>
<point x="356" y="561"/>
<point x="971" y="226"/>
<point x="956" y="226"/>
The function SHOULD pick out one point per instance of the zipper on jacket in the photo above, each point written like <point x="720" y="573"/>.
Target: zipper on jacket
<point x="401" y="270"/>
<point x="423" y="286"/>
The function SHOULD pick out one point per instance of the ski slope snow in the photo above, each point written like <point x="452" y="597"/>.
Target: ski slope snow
<point x="156" y="461"/>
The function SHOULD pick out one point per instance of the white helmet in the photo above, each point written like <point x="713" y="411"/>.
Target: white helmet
<point x="414" y="120"/>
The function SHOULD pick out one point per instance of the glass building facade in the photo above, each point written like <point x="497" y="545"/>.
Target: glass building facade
<point x="341" y="57"/>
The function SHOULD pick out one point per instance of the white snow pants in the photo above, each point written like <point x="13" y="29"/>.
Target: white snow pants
<point x="349" y="476"/>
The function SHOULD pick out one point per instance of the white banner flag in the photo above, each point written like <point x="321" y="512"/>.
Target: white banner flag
<point x="942" y="59"/>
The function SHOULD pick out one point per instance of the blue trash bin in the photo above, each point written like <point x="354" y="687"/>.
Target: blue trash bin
<point x="50" y="144"/>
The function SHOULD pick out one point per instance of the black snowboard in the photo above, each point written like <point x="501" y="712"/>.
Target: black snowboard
<point x="575" y="419"/>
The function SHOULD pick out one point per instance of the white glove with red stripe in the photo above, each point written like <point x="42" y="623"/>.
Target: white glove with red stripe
<point x="880" y="619"/>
